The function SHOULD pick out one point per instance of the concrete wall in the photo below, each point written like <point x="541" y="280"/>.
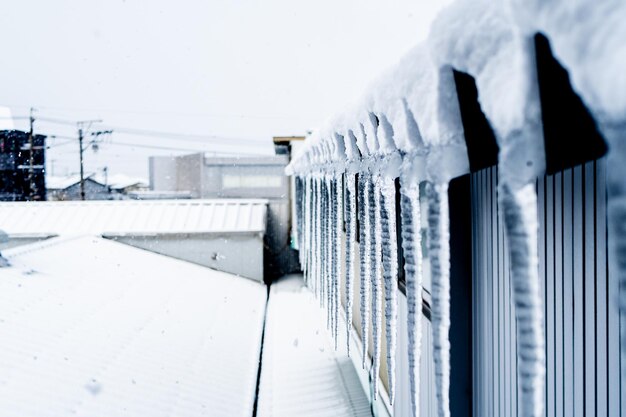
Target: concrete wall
<point x="162" y="173"/>
<point x="239" y="254"/>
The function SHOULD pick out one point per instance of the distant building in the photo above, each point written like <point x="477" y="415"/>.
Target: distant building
<point x="238" y="177"/>
<point x="116" y="187"/>
<point x="68" y="188"/>
<point x="22" y="178"/>
<point x="123" y="184"/>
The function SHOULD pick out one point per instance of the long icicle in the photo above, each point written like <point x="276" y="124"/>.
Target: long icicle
<point x="350" y="252"/>
<point x="412" y="249"/>
<point x="390" y="277"/>
<point x="304" y="246"/>
<point x="376" y="276"/>
<point x="330" y="254"/>
<point x="309" y="231"/>
<point x="520" y="217"/>
<point x="308" y="243"/>
<point x="338" y="261"/>
<point x="318" y="238"/>
<point x="323" y="230"/>
<point x="365" y="269"/>
<point x="439" y="249"/>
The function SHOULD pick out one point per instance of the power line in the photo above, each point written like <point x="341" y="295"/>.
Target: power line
<point x="191" y="137"/>
<point x="168" y="148"/>
<point x="145" y="146"/>
<point x="164" y="112"/>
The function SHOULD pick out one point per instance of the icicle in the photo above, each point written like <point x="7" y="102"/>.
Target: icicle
<point x="350" y="252"/>
<point x="318" y="239"/>
<point x="299" y="197"/>
<point x="322" y="252"/>
<point x="520" y="218"/>
<point x="309" y="234"/>
<point x="329" y="253"/>
<point x="338" y="227"/>
<point x="412" y="250"/>
<point x="376" y="275"/>
<point x="304" y="233"/>
<point x="309" y="216"/>
<point x="390" y="277"/>
<point x="364" y="254"/>
<point x="439" y="249"/>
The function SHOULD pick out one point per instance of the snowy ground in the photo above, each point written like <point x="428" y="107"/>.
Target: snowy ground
<point x="91" y="327"/>
<point x="301" y="373"/>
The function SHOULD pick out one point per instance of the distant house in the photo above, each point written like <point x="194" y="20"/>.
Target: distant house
<point x="122" y="184"/>
<point x="68" y="188"/>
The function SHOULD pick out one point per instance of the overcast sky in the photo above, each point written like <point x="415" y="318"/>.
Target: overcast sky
<point x="221" y="70"/>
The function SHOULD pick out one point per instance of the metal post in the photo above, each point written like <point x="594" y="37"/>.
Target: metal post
<point x="82" y="172"/>
<point x="31" y="153"/>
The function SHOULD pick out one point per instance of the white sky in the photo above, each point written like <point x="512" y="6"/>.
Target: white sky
<point x="232" y="69"/>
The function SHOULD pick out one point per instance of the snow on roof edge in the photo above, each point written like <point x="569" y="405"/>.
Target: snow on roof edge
<point x="416" y="100"/>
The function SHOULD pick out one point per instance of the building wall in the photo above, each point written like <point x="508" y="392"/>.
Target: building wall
<point x="162" y="173"/>
<point x="239" y="254"/>
<point x="245" y="178"/>
<point x="581" y="318"/>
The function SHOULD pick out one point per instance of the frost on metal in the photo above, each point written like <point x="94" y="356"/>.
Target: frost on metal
<point x="439" y="249"/>
<point x="390" y="276"/>
<point x="412" y="248"/>
<point x="520" y="218"/>
<point x="350" y="252"/>
<point x="376" y="275"/>
<point x="366" y="266"/>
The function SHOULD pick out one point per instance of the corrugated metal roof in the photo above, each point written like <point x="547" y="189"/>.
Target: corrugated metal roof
<point x="91" y="327"/>
<point x="301" y="373"/>
<point x="133" y="217"/>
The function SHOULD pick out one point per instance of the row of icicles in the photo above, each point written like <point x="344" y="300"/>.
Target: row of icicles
<point x="369" y="218"/>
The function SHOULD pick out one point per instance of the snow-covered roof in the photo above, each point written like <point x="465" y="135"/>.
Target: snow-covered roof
<point x="134" y="217"/>
<point x="91" y="327"/>
<point x="301" y="373"/>
<point x="121" y="181"/>
<point x="61" y="183"/>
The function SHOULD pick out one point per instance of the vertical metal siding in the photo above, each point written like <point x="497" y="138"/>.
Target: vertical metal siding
<point x="581" y="317"/>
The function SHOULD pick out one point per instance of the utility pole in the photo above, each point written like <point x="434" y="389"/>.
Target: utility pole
<point x="31" y="153"/>
<point x="82" y="172"/>
<point x="81" y="132"/>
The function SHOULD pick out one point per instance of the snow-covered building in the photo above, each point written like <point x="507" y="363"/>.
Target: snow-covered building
<point x="67" y="188"/>
<point x="93" y="327"/>
<point x="209" y="176"/>
<point x="90" y="326"/>
<point x="471" y="210"/>
<point x="212" y="233"/>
